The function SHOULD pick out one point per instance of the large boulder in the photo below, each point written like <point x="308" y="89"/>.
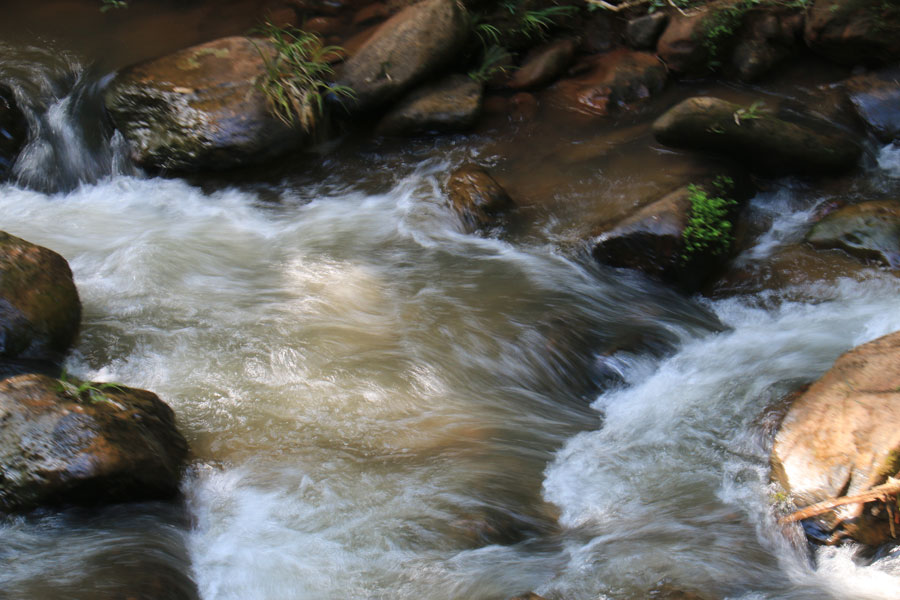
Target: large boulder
<point x="39" y="307"/>
<point x="682" y="238"/>
<point x="610" y="82"/>
<point x="851" y="31"/>
<point x="756" y="137"/>
<point x="765" y="39"/>
<point x="479" y="200"/>
<point x="876" y="99"/>
<point x="65" y="441"/>
<point x="681" y="46"/>
<point x="200" y="108"/>
<point x="13" y="131"/>
<point x="842" y="437"/>
<point x="451" y="104"/>
<point x="868" y="231"/>
<point x="409" y="47"/>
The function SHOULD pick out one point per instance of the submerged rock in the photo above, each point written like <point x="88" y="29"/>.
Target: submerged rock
<point x="868" y="231"/>
<point x="200" y="108"/>
<point x="756" y="137"/>
<point x="480" y="201"/>
<point x="851" y="31"/>
<point x="67" y="442"/>
<point x="39" y="307"/>
<point x="612" y="81"/>
<point x="409" y="47"/>
<point x="842" y="437"/>
<point x="876" y="99"/>
<point x="452" y="104"/>
<point x="13" y="131"/>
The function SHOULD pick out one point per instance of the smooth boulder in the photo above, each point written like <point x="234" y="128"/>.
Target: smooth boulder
<point x="875" y="98"/>
<point x="543" y="65"/>
<point x="479" y="200"/>
<point x="867" y="231"/>
<point x="409" y="47"/>
<point x="68" y="442"/>
<point x="39" y="307"/>
<point x="451" y="104"/>
<point x="852" y="31"/>
<point x="842" y="436"/>
<point x="200" y="108"/>
<point x="13" y="131"/>
<point x="755" y="136"/>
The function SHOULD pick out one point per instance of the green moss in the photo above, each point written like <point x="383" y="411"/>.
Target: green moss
<point x="709" y="227"/>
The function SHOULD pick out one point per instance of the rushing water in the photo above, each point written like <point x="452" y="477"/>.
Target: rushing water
<point x="381" y="406"/>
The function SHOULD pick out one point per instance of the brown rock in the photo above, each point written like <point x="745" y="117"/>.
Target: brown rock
<point x="39" y="307"/>
<point x="842" y="436"/>
<point x="372" y="13"/>
<point x="323" y="25"/>
<point x="523" y="107"/>
<point x="766" y="38"/>
<point x="757" y="137"/>
<point x="851" y="31"/>
<point x="543" y="65"/>
<point x="612" y="81"/>
<point x="643" y="32"/>
<point x="200" y="108"/>
<point x="452" y="104"/>
<point x="64" y="442"/>
<point x="876" y="99"/>
<point x="407" y="48"/>
<point x="477" y="197"/>
<point x="681" y="45"/>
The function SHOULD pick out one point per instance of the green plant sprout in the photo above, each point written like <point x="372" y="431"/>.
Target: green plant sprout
<point x="295" y="82"/>
<point x="709" y="228"/>
<point x="111" y="4"/>
<point x="749" y="113"/>
<point x="85" y="390"/>
<point x="494" y="60"/>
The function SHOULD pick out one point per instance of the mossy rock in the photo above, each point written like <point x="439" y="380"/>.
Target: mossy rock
<point x="66" y="442"/>
<point x="39" y="307"/>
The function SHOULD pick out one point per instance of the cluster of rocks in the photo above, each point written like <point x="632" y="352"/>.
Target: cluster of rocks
<point x="64" y="441"/>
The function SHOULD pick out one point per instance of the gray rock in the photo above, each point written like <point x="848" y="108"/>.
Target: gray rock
<point x="452" y="104"/>
<point x="756" y="137"/>
<point x="868" y="231"/>
<point x="876" y="99"/>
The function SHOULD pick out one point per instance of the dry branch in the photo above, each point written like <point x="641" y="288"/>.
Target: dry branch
<point x="884" y="493"/>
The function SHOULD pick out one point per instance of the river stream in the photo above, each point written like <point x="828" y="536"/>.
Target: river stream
<point x="380" y="405"/>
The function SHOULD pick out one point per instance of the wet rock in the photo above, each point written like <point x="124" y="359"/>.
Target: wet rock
<point x="766" y="38"/>
<point x="371" y="13"/>
<point x="68" y="442"/>
<point x="612" y="81"/>
<point x="598" y="34"/>
<point x="842" y="436"/>
<point x="543" y="65"/>
<point x="323" y="25"/>
<point x="868" y="231"/>
<point x="480" y="201"/>
<point x="789" y="271"/>
<point x="656" y="239"/>
<point x="642" y="33"/>
<point x="407" y="48"/>
<point x="852" y="31"/>
<point x="39" y="307"/>
<point x="876" y="99"/>
<point x="200" y="108"/>
<point x="13" y="131"/>
<point x="754" y="136"/>
<point x="528" y="596"/>
<point x="681" y="45"/>
<point x="452" y="104"/>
